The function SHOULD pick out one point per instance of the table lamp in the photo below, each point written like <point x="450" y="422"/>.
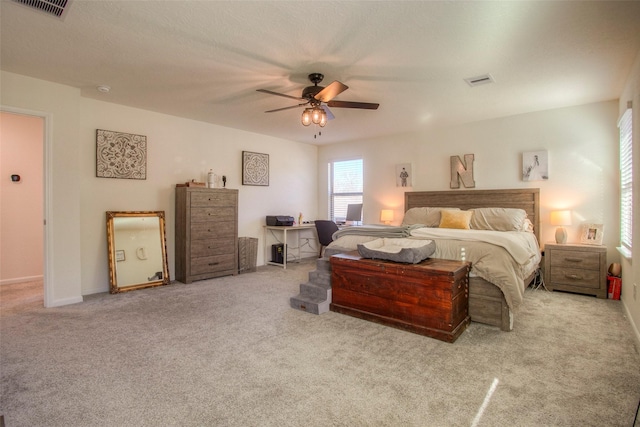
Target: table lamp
<point x="560" y="219"/>
<point x="386" y="216"/>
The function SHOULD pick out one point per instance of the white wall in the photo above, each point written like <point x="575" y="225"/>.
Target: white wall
<point x="21" y="204"/>
<point x="178" y="150"/>
<point x="582" y="145"/>
<point x="630" y="271"/>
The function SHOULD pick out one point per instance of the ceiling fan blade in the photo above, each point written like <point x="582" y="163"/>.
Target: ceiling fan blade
<point x="331" y="91"/>
<point x="287" y="108"/>
<point x="350" y="104"/>
<point x="330" y="115"/>
<point x="279" y="94"/>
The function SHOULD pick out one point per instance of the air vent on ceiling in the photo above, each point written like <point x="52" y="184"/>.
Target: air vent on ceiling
<point x="51" y="7"/>
<point x="479" y="80"/>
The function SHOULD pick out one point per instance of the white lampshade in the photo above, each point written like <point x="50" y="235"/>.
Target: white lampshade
<point x="386" y="216"/>
<point x="561" y="218"/>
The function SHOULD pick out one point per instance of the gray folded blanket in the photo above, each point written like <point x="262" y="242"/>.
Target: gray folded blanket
<point x="391" y="231"/>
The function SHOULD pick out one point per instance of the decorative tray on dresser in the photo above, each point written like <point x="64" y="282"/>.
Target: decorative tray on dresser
<point x="576" y="268"/>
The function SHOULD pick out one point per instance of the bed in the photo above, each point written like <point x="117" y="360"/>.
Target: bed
<point x="494" y="295"/>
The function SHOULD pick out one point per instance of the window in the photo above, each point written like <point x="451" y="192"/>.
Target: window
<point x="345" y="187"/>
<point x="626" y="183"/>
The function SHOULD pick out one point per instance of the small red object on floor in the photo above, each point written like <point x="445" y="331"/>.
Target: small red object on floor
<point x="614" y="286"/>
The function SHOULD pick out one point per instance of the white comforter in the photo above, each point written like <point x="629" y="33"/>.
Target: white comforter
<point x="503" y="258"/>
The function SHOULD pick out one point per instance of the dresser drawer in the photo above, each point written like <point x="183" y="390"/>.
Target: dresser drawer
<point x="213" y="230"/>
<point x="576" y="259"/>
<point x="213" y="214"/>
<point x="576" y="277"/>
<point x="213" y="199"/>
<point x="212" y="264"/>
<point x="204" y="248"/>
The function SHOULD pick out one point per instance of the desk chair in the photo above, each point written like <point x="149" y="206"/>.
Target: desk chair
<point x="325" y="230"/>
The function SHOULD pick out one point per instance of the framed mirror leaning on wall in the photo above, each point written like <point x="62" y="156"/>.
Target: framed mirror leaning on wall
<point x="137" y="248"/>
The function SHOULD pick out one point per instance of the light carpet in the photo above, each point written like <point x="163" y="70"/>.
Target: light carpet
<point x="231" y="352"/>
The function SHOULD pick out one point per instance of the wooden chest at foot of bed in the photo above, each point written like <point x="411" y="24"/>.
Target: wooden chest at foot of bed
<point x="430" y="298"/>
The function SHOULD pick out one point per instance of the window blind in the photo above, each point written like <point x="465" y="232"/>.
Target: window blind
<point x="345" y="187"/>
<point x="626" y="180"/>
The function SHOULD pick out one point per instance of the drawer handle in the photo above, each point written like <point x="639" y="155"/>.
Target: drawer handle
<point x="573" y="259"/>
<point x="573" y="276"/>
<point x="214" y="263"/>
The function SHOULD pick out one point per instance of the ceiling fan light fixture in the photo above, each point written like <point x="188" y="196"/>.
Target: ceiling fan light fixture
<point x="318" y="99"/>
<point x="316" y="115"/>
<point x="306" y="116"/>
<point x="323" y="119"/>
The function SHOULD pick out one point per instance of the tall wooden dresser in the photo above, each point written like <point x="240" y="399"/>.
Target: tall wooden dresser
<point x="206" y="233"/>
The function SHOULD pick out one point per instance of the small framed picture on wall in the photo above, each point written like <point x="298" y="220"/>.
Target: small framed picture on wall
<point x="404" y="175"/>
<point x="535" y="166"/>
<point x="591" y="234"/>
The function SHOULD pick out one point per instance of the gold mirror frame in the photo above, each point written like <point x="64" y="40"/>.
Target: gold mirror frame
<point x="136" y="259"/>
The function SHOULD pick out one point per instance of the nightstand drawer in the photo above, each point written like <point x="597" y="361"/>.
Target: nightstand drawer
<point x="576" y="277"/>
<point x="576" y="259"/>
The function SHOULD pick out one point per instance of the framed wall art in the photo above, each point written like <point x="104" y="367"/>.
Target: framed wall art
<point x="591" y="234"/>
<point x="255" y="168"/>
<point x="535" y="166"/>
<point x="404" y="175"/>
<point x="120" y="155"/>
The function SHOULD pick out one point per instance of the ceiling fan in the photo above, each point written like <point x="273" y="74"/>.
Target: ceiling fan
<point x="319" y="99"/>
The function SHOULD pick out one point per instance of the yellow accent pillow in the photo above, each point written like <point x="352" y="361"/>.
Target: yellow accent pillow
<point x="455" y="219"/>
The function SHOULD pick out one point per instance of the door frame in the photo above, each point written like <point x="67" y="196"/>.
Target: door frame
<point x="47" y="270"/>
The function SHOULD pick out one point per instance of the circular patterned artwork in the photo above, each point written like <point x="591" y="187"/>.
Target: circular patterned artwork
<point x="255" y="168"/>
<point x="121" y="155"/>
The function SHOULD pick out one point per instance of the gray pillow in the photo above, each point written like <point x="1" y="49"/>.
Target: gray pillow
<point x="498" y="219"/>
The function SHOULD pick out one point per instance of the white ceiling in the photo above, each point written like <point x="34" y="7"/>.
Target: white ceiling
<point x="204" y="60"/>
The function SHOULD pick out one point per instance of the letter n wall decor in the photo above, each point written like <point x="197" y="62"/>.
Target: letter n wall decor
<point x="462" y="171"/>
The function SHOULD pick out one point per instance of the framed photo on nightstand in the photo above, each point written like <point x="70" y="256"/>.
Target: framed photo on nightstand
<point x="591" y="234"/>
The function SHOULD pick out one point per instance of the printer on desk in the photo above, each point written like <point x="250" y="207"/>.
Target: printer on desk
<point x="281" y="220"/>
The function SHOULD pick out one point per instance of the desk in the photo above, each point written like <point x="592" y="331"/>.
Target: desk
<point x="295" y="252"/>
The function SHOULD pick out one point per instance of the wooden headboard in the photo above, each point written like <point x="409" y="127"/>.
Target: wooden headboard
<point x="521" y="198"/>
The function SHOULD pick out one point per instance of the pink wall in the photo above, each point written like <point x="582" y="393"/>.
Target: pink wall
<point x="21" y="204"/>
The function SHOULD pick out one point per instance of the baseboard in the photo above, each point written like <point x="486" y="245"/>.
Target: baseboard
<point x="636" y="332"/>
<point x="92" y="291"/>
<point x="65" y="301"/>
<point x="21" y="280"/>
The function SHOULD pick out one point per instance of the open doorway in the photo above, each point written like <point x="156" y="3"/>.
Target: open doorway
<point x="22" y="237"/>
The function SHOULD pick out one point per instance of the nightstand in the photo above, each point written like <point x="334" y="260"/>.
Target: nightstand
<point x="576" y="268"/>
